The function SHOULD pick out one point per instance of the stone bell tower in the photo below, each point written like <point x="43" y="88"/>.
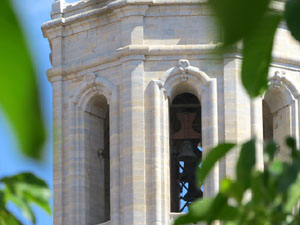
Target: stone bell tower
<point x="139" y="95"/>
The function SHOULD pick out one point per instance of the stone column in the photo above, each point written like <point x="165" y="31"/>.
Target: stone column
<point x="59" y="127"/>
<point x="210" y="133"/>
<point x="237" y="111"/>
<point x="257" y="130"/>
<point x="156" y="157"/>
<point x="58" y="151"/>
<point x="132" y="148"/>
<point x="114" y="157"/>
<point x="132" y="152"/>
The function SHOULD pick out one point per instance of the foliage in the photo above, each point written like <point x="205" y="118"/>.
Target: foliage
<point x="18" y="86"/>
<point x="23" y="190"/>
<point x="20" y="104"/>
<point x="254" y="197"/>
<point x="253" y="23"/>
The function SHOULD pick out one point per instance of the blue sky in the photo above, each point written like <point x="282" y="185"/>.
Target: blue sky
<point x="32" y="13"/>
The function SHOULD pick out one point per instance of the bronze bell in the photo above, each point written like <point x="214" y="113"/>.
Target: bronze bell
<point x="187" y="153"/>
<point x="193" y="193"/>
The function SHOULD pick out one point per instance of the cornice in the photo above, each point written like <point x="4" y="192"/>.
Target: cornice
<point x="111" y="7"/>
<point x="134" y="52"/>
<point x="128" y="52"/>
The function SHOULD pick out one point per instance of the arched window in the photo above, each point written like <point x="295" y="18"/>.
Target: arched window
<point x="277" y="118"/>
<point x="97" y="166"/>
<point x="185" y="150"/>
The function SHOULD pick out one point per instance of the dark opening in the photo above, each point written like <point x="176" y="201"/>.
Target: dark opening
<point x="106" y="168"/>
<point x="267" y="122"/>
<point x="97" y="160"/>
<point x="185" y="150"/>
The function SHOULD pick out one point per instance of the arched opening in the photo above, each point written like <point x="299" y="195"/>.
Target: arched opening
<point x="97" y="160"/>
<point x="185" y="150"/>
<point x="277" y="119"/>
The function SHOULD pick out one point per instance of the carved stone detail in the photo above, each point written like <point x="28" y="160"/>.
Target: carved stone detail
<point x="90" y="79"/>
<point x="278" y="80"/>
<point x="183" y="66"/>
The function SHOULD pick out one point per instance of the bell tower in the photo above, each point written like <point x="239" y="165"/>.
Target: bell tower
<point x="139" y="97"/>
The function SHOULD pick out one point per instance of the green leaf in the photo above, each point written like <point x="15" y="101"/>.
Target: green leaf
<point x="289" y="175"/>
<point x="246" y="163"/>
<point x="22" y="204"/>
<point x="232" y="189"/>
<point x="210" y="160"/>
<point x="258" y="187"/>
<point x="185" y="219"/>
<point x="291" y="143"/>
<point x="200" y="208"/>
<point x="210" y="210"/>
<point x="238" y="17"/>
<point x="18" y="86"/>
<point x="276" y="168"/>
<point x="293" y="196"/>
<point x="24" y="189"/>
<point x="257" y="52"/>
<point x="6" y="218"/>
<point x="269" y="151"/>
<point x="198" y="211"/>
<point x="292" y="17"/>
<point x="2" y="203"/>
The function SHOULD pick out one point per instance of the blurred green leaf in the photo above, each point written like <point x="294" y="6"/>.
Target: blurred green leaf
<point x="6" y="218"/>
<point x="289" y="175"/>
<point x="18" y="86"/>
<point x="246" y="163"/>
<point x="232" y="189"/>
<point x="208" y="209"/>
<point x="291" y="143"/>
<point x="269" y="151"/>
<point x="22" y="203"/>
<point x="185" y="219"/>
<point x="255" y="197"/>
<point x="257" y="187"/>
<point x="292" y="17"/>
<point x="25" y="189"/>
<point x="276" y="167"/>
<point x="293" y="196"/>
<point x="257" y="52"/>
<point x="211" y="158"/>
<point x="238" y="17"/>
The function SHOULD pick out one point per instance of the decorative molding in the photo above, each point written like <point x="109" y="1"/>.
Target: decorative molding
<point x="186" y="71"/>
<point x="129" y="50"/>
<point x="90" y="79"/>
<point x="278" y="79"/>
<point x="183" y="66"/>
<point x="92" y="85"/>
<point x="146" y="50"/>
<point x="69" y="7"/>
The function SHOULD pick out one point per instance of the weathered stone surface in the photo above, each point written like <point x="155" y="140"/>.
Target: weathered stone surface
<point x="136" y="56"/>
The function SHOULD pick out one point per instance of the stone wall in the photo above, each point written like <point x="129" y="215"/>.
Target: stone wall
<point x="139" y="55"/>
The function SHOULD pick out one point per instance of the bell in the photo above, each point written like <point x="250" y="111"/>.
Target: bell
<point x="188" y="173"/>
<point x="193" y="193"/>
<point x="187" y="153"/>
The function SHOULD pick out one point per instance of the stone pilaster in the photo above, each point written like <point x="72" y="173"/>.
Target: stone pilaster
<point x="237" y="111"/>
<point x="132" y="152"/>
